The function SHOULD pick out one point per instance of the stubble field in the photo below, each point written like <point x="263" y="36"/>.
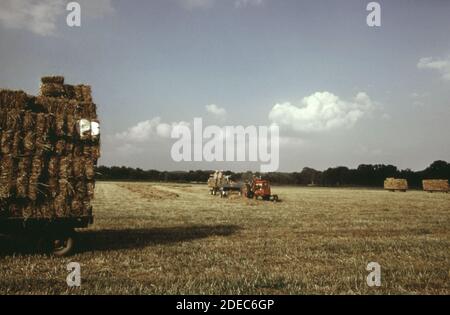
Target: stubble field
<point x="151" y="238"/>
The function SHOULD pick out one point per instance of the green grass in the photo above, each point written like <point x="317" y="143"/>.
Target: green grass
<point x="316" y="241"/>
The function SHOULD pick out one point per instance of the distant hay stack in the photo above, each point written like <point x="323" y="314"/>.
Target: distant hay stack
<point x="432" y="185"/>
<point x="396" y="184"/>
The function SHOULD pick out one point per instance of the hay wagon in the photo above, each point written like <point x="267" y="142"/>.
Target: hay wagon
<point x="396" y="184"/>
<point x="216" y="181"/>
<point x="49" y="146"/>
<point x="435" y="185"/>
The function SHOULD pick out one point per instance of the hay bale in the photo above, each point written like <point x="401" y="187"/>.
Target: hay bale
<point x="60" y="124"/>
<point x="80" y="188"/>
<point x="432" y="185"/>
<point x="60" y="147"/>
<point x="53" y="166"/>
<point x="48" y="104"/>
<point x="65" y="188"/>
<point x="3" y="118"/>
<point x="68" y="150"/>
<point x="90" y="189"/>
<point x="42" y="210"/>
<point x="60" y="205"/>
<point x="28" y="210"/>
<point x="47" y="210"/>
<point x="78" y="93"/>
<point x="95" y="152"/>
<point x="69" y="91"/>
<point x="43" y="126"/>
<point x="29" y="141"/>
<point x="64" y="164"/>
<point x="87" y="208"/>
<point x="35" y="173"/>
<point x="87" y="150"/>
<point x="394" y="184"/>
<point x="70" y="125"/>
<point x="14" y="120"/>
<point x="89" y="110"/>
<point x="6" y="175"/>
<point x="22" y="181"/>
<point x="29" y="138"/>
<point x="83" y="93"/>
<point x="17" y="141"/>
<point x="29" y="121"/>
<point x="53" y="90"/>
<point x="13" y="100"/>
<point x="87" y="93"/>
<point x="6" y="142"/>
<point x="53" y="79"/>
<point x="89" y="169"/>
<point x="78" y="167"/>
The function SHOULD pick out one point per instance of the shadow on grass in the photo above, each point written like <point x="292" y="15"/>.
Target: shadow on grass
<point x="104" y="240"/>
<point x="138" y="238"/>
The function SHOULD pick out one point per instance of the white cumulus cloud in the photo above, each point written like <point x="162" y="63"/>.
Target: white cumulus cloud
<point x="321" y="111"/>
<point x="216" y="110"/>
<point x="148" y="130"/>
<point x="40" y="17"/>
<point x="440" y="65"/>
<point x="43" y="16"/>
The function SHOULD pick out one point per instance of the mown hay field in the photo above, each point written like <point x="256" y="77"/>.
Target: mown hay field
<point x="152" y="238"/>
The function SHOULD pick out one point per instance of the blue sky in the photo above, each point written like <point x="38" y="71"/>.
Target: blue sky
<point x="155" y="63"/>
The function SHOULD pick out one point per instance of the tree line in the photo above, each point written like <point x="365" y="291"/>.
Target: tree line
<point x="365" y="175"/>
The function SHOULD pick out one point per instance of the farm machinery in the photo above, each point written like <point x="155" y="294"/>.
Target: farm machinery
<point x="221" y="184"/>
<point x="216" y="181"/>
<point x="256" y="188"/>
<point x="260" y="188"/>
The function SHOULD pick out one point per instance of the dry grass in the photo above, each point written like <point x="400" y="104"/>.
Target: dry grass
<point x="316" y="241"/>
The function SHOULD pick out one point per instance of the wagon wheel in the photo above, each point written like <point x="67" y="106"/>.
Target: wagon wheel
<point x="63" y="245"/>
<point x="275" y="198"/>
<point x="59" y="244"/>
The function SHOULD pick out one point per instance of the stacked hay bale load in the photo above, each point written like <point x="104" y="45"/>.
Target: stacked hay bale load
<point x="49" y="146"/>
<point x="438" y="185"/>
<point x="396" y="184"/>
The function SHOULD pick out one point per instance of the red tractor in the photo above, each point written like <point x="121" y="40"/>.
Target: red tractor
<point x="260" y="188"/>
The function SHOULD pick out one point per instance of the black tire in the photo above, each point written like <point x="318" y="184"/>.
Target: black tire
<point x="58" y="243"/>
<point x="275" y="198"/>
<point x="250" y="194"/>
<point x="66" y="247"/>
